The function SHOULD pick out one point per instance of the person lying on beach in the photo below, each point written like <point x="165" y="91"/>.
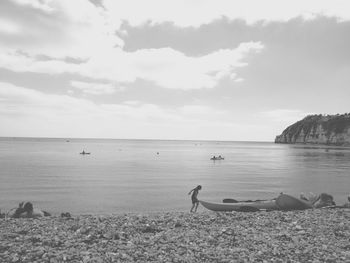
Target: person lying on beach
<point x="27" y="211"/>
<point x="194" y="198"/>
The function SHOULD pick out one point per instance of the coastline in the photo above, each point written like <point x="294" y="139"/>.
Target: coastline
<point x="318" y="145"/>
<point x="316" y="235"/>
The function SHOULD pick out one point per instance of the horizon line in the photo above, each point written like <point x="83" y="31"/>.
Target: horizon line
<point x="135" y="139"/>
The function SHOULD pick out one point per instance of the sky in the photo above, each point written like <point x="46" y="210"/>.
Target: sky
<point x="238" y="70"/>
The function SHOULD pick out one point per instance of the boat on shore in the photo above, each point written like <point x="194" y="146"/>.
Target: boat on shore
<point x="288" y="202"/>
<point x="241" y="206"/>
<point x="282" y="202"/>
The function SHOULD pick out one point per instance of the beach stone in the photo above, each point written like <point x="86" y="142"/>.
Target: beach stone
<point x="150" y="229"/>
<point x="319" y="235"/>
<point x="178" y="224"/>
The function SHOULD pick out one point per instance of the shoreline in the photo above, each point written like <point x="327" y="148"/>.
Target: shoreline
<point x="295" y="236"/>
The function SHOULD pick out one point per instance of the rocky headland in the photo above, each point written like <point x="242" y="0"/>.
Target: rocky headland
<point x="318" y="129"/>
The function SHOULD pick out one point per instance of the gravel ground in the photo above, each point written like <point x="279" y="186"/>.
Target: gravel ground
<point x="318" y="235"/>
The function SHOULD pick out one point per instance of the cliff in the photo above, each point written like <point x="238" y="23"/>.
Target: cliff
<point x="318" y="129"/>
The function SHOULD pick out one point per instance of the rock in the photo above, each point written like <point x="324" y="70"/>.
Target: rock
<point x="318" y="129"/>
<point x="312" y="235"/>
<point x="150" y="229"/>
<point x="66" y="215"/>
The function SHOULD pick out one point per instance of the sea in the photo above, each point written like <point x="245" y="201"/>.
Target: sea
<point x="143" y="176"/>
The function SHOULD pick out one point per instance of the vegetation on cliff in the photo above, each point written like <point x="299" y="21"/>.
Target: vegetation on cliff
<point x="324" y="129"/>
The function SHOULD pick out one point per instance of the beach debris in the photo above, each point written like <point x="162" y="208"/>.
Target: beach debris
<point x="66" y="214"/>
<point x="27" y="210"/>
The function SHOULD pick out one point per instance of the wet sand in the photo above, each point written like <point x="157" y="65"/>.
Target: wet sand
<point x="318" y="235"/>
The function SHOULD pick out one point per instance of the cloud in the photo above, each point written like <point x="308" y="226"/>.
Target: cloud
<point x="132" y="102"/>
<point x="65" y="33"/>
<point x="37" y="4"/>
<point x="198" y="12"/>
<point x="188" y="56"/>
<point x="93" y="88"/>
<point x="225" y="33"/>
<point x="26" y="112"/>
<point x="63" y="28"/>
<point x="58" y="32"/>
<point x="58" y="28"/>
<point x="165" y="67"/>
<point x="9" y="27"/>
<point x="23" y="101"/>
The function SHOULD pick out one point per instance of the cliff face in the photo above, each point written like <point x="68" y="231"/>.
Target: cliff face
<point x="318" y="129"/>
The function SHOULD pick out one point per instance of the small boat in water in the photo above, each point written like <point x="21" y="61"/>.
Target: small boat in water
<point x="83" y="152"/>
<point x="214" y="158"/>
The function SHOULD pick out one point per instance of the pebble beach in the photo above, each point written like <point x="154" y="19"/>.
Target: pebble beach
<point x="315" y="235"/>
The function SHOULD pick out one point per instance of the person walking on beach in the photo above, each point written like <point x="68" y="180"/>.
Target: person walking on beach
<point x="194" y="198"/>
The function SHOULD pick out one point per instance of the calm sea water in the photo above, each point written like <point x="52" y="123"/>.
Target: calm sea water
<point x="129" y="176"/>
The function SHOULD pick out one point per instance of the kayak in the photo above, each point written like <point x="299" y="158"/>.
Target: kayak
<point x="282" y="202"/>
<point x="288" y="202"/>
<point x="241" y="206"/>
<point x="217" y="158"/>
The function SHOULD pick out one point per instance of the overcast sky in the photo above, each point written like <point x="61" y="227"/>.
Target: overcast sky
<point x="182" y="69"/>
